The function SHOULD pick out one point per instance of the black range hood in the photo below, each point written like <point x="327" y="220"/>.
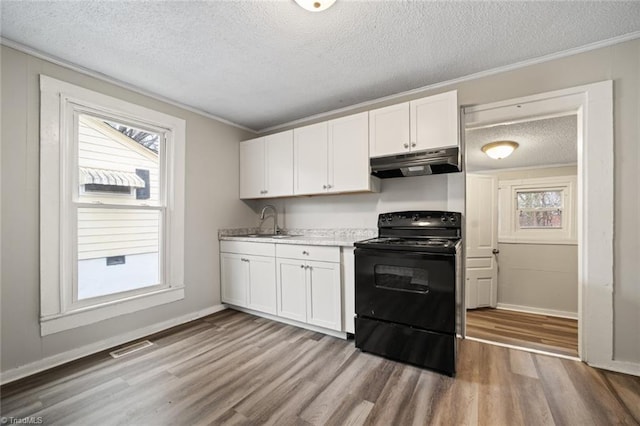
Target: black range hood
<point x="446" y="160"/>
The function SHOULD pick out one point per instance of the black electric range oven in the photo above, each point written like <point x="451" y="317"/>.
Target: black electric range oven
<point x="408" y="289"/>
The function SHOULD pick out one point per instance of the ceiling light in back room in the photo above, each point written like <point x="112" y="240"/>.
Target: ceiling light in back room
<point x="315" y="5"/>
<point x="500" y="149"/>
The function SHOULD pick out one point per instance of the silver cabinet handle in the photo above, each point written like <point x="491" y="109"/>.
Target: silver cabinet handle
<point x="244" y="260"/>
<point x="495" y="251"/>
<point x="406" y="145"/>
<point x="305" y="252"/>
<point x="324" y="186"/>
<point x="413" y="144"/>
<point x="329" y="186"/>
<point x="302" y="266"/>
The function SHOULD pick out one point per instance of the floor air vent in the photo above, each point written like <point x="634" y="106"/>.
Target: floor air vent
<point x="130" y="349"/>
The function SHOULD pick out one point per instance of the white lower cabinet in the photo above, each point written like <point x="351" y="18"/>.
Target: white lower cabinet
<point x="248" y="275"/>
<point x="291" y="289"/>
<point x="309" y="291"/>
<point x="300" y="283"/>
<point x="233" y="271"/>
<point x="323" y="295"/>
<point x="309" y="284"/>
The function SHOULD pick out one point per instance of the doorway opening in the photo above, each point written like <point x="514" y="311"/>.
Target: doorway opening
<point x="521" y="246"/>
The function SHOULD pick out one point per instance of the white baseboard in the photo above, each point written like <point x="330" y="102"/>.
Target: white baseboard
<point x="334" y="333"/>
<point x="626" y="367"/>
<point x="539" y="311"/>
<point x="65" y="357"/>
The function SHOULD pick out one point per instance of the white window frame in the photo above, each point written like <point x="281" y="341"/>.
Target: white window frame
<point x="509" y="230"/>
<point x="59" y="103"/>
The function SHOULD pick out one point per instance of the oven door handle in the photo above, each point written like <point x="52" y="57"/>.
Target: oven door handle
<point x="403" y="289"/>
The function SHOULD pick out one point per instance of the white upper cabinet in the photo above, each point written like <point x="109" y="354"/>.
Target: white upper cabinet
<point x="349" y="153"/>
<point x="422" y="124"/>
<point x="435" y="122"/>
<point x="279" y="164"/>
<point x="389" y="130"/>
<point x="332" y="157"/>
<point x="310" y="147"/>
<point x="252" y="168"/>
<point x="266" y="166"/>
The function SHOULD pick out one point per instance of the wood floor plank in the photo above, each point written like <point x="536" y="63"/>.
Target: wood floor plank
<point x="533" y="331"/>
<point x="235" y="369"/>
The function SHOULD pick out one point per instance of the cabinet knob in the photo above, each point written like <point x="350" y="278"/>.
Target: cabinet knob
<point x="302" y="266"/>
<point x="329" y="186"/>
<point x="305" y="252"/>
<point x="406" y="145"/>
<point x="413" y="144"/>
<point x="324" y="186"/>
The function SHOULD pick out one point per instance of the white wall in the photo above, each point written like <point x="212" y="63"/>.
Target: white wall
<point x="361" y="210"/>
<point x="211" y="203"/>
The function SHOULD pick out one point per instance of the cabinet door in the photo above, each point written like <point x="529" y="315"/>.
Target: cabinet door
<point x="252" y="168"/>
<point x="435" y="121"/>
<point x="279" y="164"/>
<point x="291" y="289"/>
<point x="262" y="284"/>
<point x="233" y="279"/>
<point x="349" y="153"/>
<point x="310" y="159"/>
<point x="323" y="295"/>
<point x="389" y="130"/>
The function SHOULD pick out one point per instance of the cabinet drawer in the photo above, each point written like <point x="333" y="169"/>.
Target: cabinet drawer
<point x="244" y="247"/>
<point x="319" y="253"/>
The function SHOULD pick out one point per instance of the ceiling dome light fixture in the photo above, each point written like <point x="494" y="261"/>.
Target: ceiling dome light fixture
<point x="315" y="5"/>
<point x="500" y="149"/>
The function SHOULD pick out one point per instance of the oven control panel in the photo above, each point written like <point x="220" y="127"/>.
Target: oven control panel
<point x="436" y="219"/>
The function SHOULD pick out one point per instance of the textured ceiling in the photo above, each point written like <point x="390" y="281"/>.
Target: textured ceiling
<point x="542" y="143"/>
<point x="265" y="63"/>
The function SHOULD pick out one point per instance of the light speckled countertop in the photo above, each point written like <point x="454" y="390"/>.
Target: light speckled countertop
<point x="317" y="237"/>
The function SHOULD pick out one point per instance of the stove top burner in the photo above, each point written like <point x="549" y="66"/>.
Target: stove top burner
<point x="410" y="243"/>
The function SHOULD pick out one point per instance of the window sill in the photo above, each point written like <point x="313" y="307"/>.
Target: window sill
<point x="84" y="316"/>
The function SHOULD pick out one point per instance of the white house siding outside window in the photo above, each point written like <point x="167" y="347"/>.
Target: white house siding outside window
<point x="112" y="207"/>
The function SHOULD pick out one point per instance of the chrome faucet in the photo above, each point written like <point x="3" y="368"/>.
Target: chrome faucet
<point x="275" y="217"/>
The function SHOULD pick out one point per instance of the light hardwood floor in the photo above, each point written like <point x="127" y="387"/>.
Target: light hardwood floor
<point x="233" y="368"/>
<point x="533" y="331"/>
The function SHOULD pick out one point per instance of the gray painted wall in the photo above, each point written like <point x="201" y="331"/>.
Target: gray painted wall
<point x="211" y="202"/>
<point x="542" y="276"/>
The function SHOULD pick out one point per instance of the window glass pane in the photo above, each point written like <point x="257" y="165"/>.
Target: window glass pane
<point x="540" y="219"/>
<point x="117" y="163"/>
<point x="118" y="250"/>
<point x="539" y="199"/>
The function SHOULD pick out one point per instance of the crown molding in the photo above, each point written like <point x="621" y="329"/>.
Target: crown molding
<point x="522" y="64"/>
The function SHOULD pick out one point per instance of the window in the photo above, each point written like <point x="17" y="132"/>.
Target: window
<point x="112" y="202"/>
<point x="539" y="210"/>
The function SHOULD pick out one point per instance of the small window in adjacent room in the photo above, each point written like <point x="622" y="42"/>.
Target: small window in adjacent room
<point x="539" y="209"/>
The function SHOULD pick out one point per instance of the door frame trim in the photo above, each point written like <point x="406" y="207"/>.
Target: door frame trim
<point x="593" y="104"/>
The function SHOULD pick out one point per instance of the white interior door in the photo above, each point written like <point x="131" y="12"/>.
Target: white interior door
<point x="482" y="241"/>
